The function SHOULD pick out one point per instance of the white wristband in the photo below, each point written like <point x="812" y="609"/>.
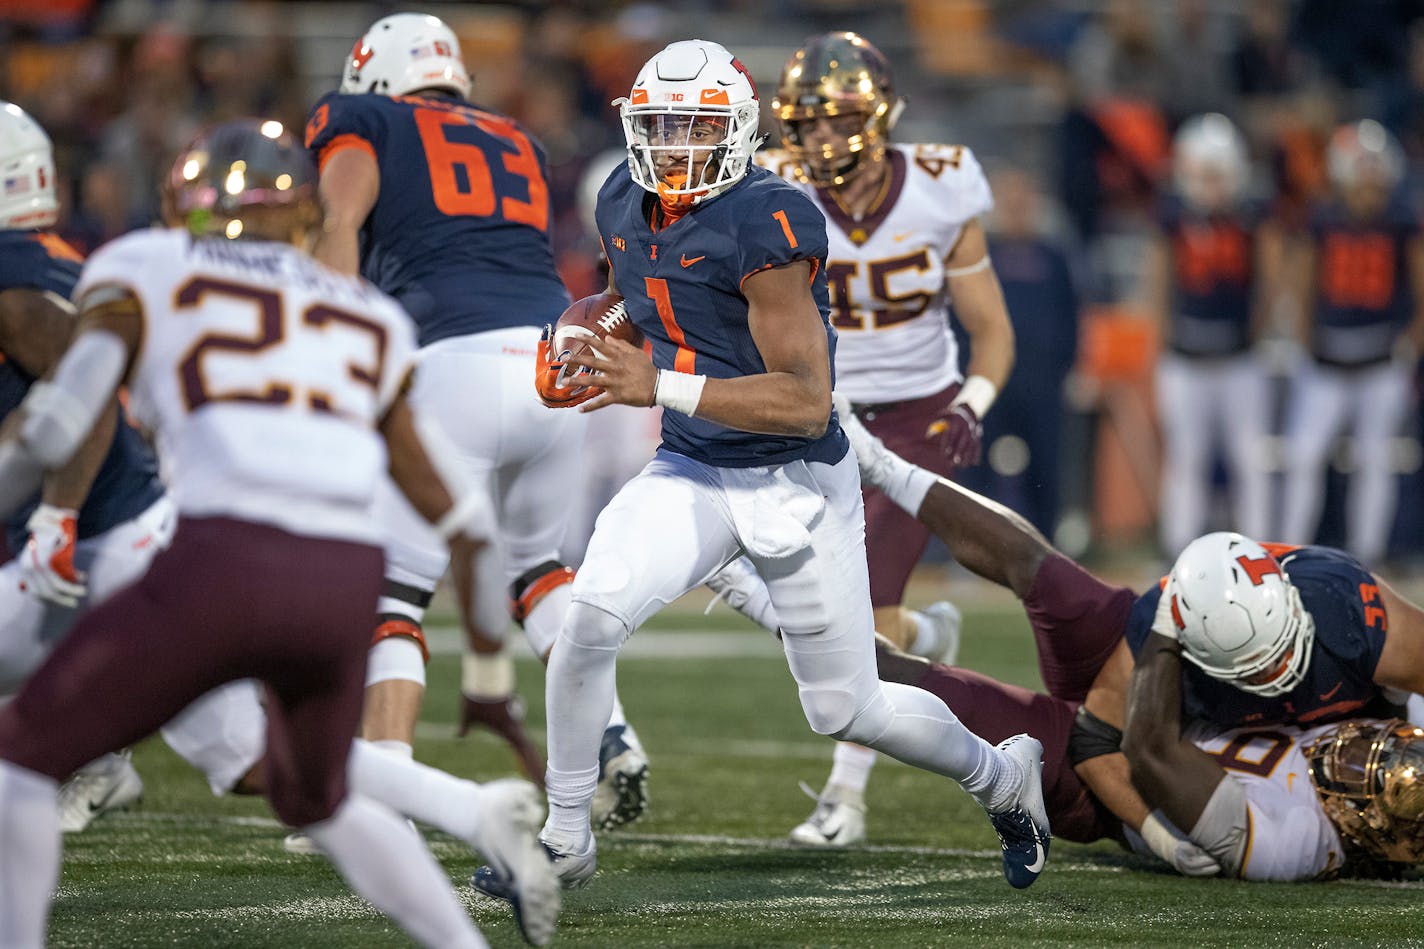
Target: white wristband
<point x="679" y="391"/>
<point x="978" y="393"/>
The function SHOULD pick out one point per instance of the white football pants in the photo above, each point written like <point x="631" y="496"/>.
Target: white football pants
<point x="222" y="734"/>
<point x="1203" y="402"/>
<point x="1371" y="405"/>
<point x="802" y="525"/>
<point x="480" y="390"/>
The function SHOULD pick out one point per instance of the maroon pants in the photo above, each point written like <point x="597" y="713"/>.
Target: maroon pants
<point x="894" y="540"/>
<point x="1077" y="623"/>
<point x="228" y="600"/>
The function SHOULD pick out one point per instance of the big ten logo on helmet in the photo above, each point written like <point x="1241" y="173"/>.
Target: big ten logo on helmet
<point x="434" y="48"/>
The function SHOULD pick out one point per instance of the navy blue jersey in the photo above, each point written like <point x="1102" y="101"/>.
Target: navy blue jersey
<point x="127" y="482"/>
<point x="1363" y="299"/>
<point x="683" y="287"/>
<point x="1350" y="623"/>
<point x="460" y="231"/>
<point x="1213" y="264"/>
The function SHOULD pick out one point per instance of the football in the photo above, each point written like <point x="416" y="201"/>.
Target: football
<point x="587" y="321"/>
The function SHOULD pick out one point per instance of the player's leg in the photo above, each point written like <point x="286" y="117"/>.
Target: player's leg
<point x="1244" y="407"/>
<point x="1182" y="387"/>
<point x="1380" y="402"/>
<point x="666" y="532"/>
<point x="302" y="646"/>
<point x="532" y="488"/>
<point x="995" y="711"/>
<point x="1320" y="398"/>
<point x="821" y="595"/>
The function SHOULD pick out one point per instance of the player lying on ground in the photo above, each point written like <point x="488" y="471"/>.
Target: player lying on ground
<point x="445" y="206"/>
<point x="1082" y="628"/>
<point x="276" y="447"/>
<point x="721" y="265"/>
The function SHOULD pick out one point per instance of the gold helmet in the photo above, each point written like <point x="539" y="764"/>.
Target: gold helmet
<point x="244" y="178"/>
<point x="836" y="76"/>
<point x="1370" y="779"/>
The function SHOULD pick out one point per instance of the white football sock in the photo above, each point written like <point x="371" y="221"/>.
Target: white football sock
<point x="926" y="642"/>
<point x="850" y="766"/>
<point x="427" y="794"/>
<point x="578" y="700"/>
<point x="394" y="746"/>
<point x="29" y="854"/>
<point x="616" y="717"/>
<point x="386" y="863"/>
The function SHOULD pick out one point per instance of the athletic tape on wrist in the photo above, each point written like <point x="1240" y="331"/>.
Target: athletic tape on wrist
<point x="978" y="393"/>
<point x="679" y="391"/>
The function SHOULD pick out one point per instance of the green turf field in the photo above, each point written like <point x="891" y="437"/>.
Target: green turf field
<point x="707" y="866"/>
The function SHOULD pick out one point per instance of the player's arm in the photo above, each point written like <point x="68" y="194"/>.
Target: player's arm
<point x="793" y="396"/>
<point x="1414" y="251"/>
<point x="1302" y="285"/>
<point x="1270" y="272"/>
<point x="59" y="413"/>
<point x="979" y="306"/>
<point x="1401" y="663"/>
<point x="349" y="186"/>
<point x="1157" y="280"/>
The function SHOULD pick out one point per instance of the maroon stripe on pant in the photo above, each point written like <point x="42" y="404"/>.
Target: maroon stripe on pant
<point x="228" y="600"/>
<point x="895" y="541"/>
<point x="996" y="710"/>
<point x="1077" y="621"/>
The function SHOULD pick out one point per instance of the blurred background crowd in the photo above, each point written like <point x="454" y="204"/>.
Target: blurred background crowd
<point x="1071" y="105"/>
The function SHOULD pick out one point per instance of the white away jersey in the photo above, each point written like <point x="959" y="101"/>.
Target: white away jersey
<point x="263" y="375"/>
<point x="1289" y="837"/>
<point x="886" y="271"/>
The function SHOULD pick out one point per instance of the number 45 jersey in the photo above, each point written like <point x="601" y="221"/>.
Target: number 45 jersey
<point x="460" y="231"/>
<point x="886" y="270"/>
<point x="263" y="375"/>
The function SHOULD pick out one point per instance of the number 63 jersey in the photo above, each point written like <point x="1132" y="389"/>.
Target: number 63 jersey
<point x="460" y="231"/>
<point x="263" y="376"/>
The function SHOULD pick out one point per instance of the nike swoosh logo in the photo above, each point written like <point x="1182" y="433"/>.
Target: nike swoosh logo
<point x="688" y="263"/>
<point x="1037" y="864"/>
<point x="1326" y="696"/>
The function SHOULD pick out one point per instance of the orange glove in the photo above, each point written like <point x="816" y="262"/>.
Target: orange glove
<point x="549" y="381"/>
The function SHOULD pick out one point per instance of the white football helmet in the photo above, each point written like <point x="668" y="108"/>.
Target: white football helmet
<point x="1210" y="166"/>
<point x="26" y="171"/>
<point x="690" y="122"/>
<point x="404" y="53"/>
<point x="1364" y="151"/>
<point x="1238" y="616"/>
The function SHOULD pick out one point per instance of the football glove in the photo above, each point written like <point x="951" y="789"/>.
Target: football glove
<point x="548" y="381"/>
<point x="1185" y="856"/>
<point x="959" y="434"/>
<point x="47" y="563"/>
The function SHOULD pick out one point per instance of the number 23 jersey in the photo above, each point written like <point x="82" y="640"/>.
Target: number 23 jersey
<point x="263" y="375"/>
<point x="459" y="234"/>
<point x="886" y="271"/>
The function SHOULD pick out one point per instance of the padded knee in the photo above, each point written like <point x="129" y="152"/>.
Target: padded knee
<point x="832" y="712"/>
<point x="534" y="584"/>
<point x="593" y="628"/>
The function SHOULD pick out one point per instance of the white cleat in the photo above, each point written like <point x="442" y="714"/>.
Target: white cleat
<point x="621" y="796"/>
<point x="110" y="783"/>
<point x="871" y="454"/>
<point x="948" y="622"/>
<point x="837" y="821"/>
<point x="518" y="866"/>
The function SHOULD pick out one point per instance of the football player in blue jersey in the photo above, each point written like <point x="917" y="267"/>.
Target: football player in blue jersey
<point x="721" y="265"/>
<point x="100" y="518"/>
<point x="445" y="206"/>
<point x="1211" y="276"/>
<point x="1360" y="280"/>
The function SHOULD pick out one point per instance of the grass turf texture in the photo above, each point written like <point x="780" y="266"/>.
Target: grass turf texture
<point x="707" y="866"/>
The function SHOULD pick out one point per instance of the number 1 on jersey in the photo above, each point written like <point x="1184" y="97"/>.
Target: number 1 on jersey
<point x="686" y="359"/>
